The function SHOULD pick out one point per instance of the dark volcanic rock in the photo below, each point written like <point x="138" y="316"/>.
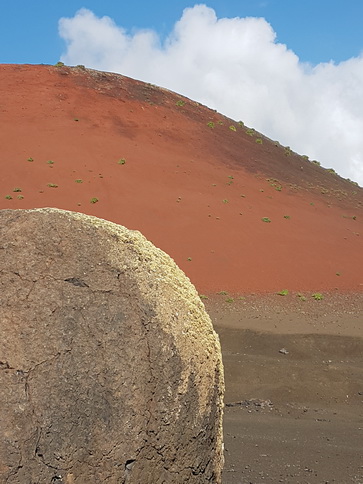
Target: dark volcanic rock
<point x="110" y="370"/>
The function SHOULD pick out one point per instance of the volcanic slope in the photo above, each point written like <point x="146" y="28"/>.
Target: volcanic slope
<point x="237" y="211"/>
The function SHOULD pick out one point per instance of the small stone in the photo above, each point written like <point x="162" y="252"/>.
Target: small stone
<point x="284" y="351"/>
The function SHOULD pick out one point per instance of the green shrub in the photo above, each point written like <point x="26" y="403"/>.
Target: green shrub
<point x="266" y="219"/>
<point x="317" y="296"/>
<point x="94" y="200"/>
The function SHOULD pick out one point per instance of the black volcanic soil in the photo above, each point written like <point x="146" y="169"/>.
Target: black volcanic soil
<point x="294" y="388"/>
<point x="241" y="215"/>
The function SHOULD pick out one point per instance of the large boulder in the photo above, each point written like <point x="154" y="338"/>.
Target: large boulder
<point x="110" y="370"/>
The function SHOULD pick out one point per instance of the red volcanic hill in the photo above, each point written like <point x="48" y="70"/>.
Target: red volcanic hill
<point x="237" y="211"/>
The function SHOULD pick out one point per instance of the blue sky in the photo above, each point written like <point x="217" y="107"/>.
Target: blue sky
<point x="316" y="30"/>
<point x="292" y="69"/>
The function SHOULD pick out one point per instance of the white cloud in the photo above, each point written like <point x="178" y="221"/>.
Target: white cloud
<point x="237" y="67"/>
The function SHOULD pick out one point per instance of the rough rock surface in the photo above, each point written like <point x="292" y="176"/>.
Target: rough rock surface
<point x="110" y="370"/>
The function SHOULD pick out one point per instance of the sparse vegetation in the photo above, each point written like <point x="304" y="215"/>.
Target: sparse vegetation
<point x="210" y="124"/>
<point x="316" y="162"/>
<point x="266" y="219"/>
<point x="250" y="132"/>
<point x="52" y="185"/>
<point x="241" y="123"/>
<point x="222" y="293"/>
<point x="180" y="103"/>
<point x="259" y="141"/>
<point x="81" y="66"/>
<point x="288" y="151"/>
<point x="287" y="217"/>
<point x="284" y="292"/>
<point x="225" y="200"/>
<point x="203" y="296"/>
<point x="20" y="197"/>
<point x="189" y="259"/>
<point x="233" y="128"/>
<point x="317" y="296"/>
<point x="30" y="159"/>
<point x="121" y="161"/>
<point x="78" y="180"/>
<point x="17" y="189"/>
<point x="230" y="300"/>
<point x="94" y="200"/>
<point x="50" y="162"/>
<point x="59" y="64"/>
<point x="8" y="197"/>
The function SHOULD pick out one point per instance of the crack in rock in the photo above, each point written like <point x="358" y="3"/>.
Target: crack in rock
<point x="76" y="282"/>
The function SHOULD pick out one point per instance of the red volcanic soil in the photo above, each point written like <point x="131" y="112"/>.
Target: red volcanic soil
<point x="199" y="191"/>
